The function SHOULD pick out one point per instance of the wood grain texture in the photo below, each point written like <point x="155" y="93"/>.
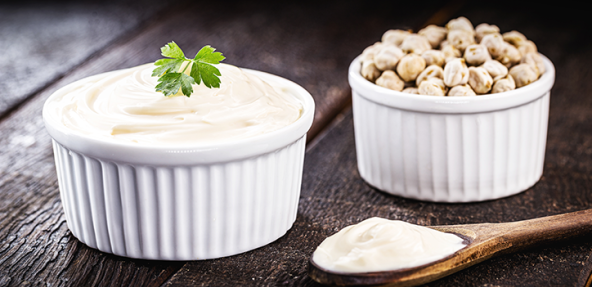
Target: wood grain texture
<point x="345" y="199"/>
<point x="585" y="278"/>
<point x="566" y="184"/>
<point x="37" y="247"/>
<point x="311" y="43"/>
<point x="42" y="41"/>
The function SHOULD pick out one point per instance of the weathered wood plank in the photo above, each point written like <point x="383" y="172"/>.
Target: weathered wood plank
<point x="249" y="37"/>
<point x="345" y="199"/>
<point x="41" y="41"/>
<point x="36" y="248"/>
<point x="335" y="33"/>
<point x="334" y="195"/>
<point x="289" y="43"/>
<point x="51" y="253"/>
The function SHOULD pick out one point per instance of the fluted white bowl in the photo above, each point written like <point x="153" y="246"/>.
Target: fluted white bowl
<point x="188" y="202"/>
<point x="450" y="149"/>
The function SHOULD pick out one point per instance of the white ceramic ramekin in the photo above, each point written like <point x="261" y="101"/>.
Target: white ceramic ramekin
<point x="182" y="203"/>
<point x="450" y="149"/>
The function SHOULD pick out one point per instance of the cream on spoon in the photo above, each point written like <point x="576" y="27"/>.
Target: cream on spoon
<point x="378" y="244"/>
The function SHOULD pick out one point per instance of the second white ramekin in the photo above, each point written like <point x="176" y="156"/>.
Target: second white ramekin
<point x="450" y="149"/>
<point x="182" y="203"/>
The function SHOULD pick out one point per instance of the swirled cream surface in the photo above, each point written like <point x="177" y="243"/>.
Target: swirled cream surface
<point x="123" y="105"/>
<point x="378" y="244"/>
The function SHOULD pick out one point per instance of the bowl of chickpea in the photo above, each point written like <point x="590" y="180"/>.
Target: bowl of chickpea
<point x="451" y="114"/>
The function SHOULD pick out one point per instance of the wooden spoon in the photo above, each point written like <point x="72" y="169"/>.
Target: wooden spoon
<point x="484" y="241"/>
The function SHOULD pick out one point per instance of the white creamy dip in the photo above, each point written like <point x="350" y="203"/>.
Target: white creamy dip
<point x="378" y="244"/>
<point x="124" y="106"/>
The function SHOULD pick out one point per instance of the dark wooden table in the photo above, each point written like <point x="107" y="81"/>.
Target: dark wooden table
<point x="48" y="45"/>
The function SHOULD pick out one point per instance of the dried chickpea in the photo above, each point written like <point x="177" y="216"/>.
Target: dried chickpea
<point x="527" y="47"/>
<point x="503" y="84"/>
<point x="410" y="66"/>
<point x="536" y="61"/>
<point x="432" y="87"/>
<point x="395" y="36"/>
<point x="476" y="54"/>
<point x="460" y="39"/>
<point x="523" y="74"/>
<point x="433" y="57"/>
<point x="432" y="71"/>
<point x="514" y="37"/>
<point x="480" y="80"/>
<point x="370" y="51"/>
<point x="439" y="82"/>
<point x="434" y="34"/>
<point x="415" y="44"/>
<point x="390" y="80"/>
<point x="411" y="90"/>
<point x="450" y="52"/>
<point x="369" y="71"/>
<point x="456" y="73"/>
<point x="499" y="62"/>
<point x="388" y="57"/>
<point x="373" y="48"/>
<point x="484" y="29"/>
<point x="494" y="43"/>
<point x="509" y="55"/>
<point x="461" y="91"/>
<point x="369" y="57"/>
<point x="495" y="68"/>
<point x="461" y="23"/>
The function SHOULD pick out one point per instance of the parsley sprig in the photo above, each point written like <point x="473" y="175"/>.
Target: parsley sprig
<point x="202" y="69"/>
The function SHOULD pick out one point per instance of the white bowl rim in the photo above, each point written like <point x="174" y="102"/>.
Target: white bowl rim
<point x="450" y="105"/>
<point x="186" y="154"/>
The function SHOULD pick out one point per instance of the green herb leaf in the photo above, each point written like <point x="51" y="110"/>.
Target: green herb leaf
<point x="202" y="69"/>
<point x="169" y="84"/>
<point x="209" y="75"/>
<point x="186" y="82"/>
<point x="195" y="73"/>
<point x="207" y="55"/>
<point x="172" y="50"/>
<point x="166" y="65"/>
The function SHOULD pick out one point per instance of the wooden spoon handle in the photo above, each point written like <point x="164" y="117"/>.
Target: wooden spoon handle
<point x="543" y="230"/>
